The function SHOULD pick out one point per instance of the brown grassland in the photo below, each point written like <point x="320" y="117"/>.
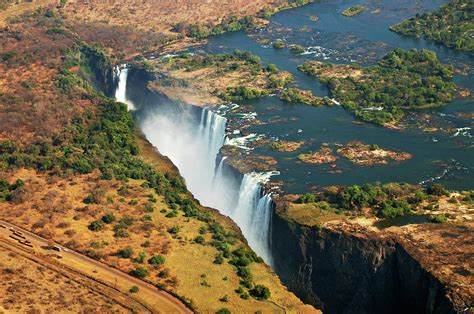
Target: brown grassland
<point x="42" y="289"/>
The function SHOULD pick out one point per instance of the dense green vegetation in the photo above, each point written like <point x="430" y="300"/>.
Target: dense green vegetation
<point x="279" y="44"/>
<point x="452" y="25"/>
<point x="295" y="95"/>
<point x="297" y="49"/>
<point x="402" y="80"/>
<point x="242" y="93"/>
<point x="354" y="10"/>
<point x="385" y="200"/>
<point x="190" y="62"/>
<point x="232" y="24"/>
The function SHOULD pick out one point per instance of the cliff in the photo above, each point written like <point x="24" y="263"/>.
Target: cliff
<point x="344" y="268"/>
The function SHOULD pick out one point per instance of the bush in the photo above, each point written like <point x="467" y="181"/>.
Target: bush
<point x="174" y="230"/>
<point x="121" y="233"/>
<point x="139" y="272"/>
<point x="134" y="289"/>
<point x="109" y="218"/>
<point x="260" y="292"/>
<point x="164" y="273"/>
<point x="225" y="298"/>
<point x="439" y="219"/>
<point x="96" y="225"/>
<point x="141" y="257"/>
<point x="125" y="253"/>
<point x="297" y="49"/>
<point x="436" y="189"/>
<point x="171" y="214"/>
<point x="156" y="260"/>
<point x="91" y="199"/>
<point x="278" y="44"/>
<point x="272" y="68"/>
<point x="199" y="239"/>
<point x="307" y="198"/>
<point x="219" y="259"/>
<point x="224" y="311"/>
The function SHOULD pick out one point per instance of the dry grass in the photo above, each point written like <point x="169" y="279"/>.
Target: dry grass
<point x="29" y="287"/>
<point x="53" y="208"/>
<point x="310" y="214"/>
<point x="163" y="14"/>
<point x="202" y="84"/>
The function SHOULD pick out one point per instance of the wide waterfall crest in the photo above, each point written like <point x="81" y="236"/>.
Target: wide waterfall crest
<point x="192" y="138"/>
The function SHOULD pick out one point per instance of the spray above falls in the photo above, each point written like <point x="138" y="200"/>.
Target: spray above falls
<point x="192" y="138"/>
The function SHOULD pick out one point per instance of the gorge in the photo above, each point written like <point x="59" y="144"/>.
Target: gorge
<point x="192" y="140"/>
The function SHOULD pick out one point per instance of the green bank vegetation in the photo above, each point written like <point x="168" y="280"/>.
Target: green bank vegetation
<point x="384" y="200"/>
<point x="403" y="80"/>
<point x="451" y="25"/>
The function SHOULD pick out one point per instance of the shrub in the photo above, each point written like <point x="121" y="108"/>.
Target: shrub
<point x="147" y="218"/>
<point x="121" y="233"/>
<point x="245" y="296"/>
<point x="260" y="292"/>
<point x="109" y="218"/>
<point x="439" y="219"/>
<point x="199" y="239"/>
<point x="225" y="298"/>
<point x="171" y="214"/>
<point x="141" y="257"/>
<point x="436" y="189"/>
<point x="244" y="273"/>
<point x="307" y="198"/>
<point x="91" y="199"/>
<point x="149" y="209"/>
<point x="219" y="259"/>
<point x="156" y="260"/>
<point x="134" y="289"/>
<point x="278" y="44"/>
<point x="125" y="253"/>
<point x="96" y="225"/>
<point x="164" y="273"/>
<point x="174" y="230"/>
<point x="297" y="49"/>
<point x="224" y="311"/>
<point x="272" y="68"/>
<point x="139" y="272"/>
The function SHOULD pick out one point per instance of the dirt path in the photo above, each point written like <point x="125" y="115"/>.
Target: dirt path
<point x="149" y="298"/>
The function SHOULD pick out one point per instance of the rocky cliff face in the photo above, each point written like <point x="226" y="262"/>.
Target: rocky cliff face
<point x="342" y="272"/>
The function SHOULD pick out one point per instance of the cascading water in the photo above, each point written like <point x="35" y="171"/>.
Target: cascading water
<point x="192" y="138"/>
<point x="120" y="92"/>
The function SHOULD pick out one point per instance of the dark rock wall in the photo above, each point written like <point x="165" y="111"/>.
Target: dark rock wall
<point x="343" y="273"/>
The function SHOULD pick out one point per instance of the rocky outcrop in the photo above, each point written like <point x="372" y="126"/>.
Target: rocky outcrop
<point x="348" y="272"/>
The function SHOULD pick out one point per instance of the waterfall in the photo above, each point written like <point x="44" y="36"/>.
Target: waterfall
<point x="121" y="91"/>
<point x="253" y="213"/>
<point x="192" y="138"/>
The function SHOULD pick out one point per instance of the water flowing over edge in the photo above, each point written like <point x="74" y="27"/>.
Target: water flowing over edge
<point x="192" y="138"/>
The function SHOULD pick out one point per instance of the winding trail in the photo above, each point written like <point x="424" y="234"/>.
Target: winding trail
<point x="148" y="299"/>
